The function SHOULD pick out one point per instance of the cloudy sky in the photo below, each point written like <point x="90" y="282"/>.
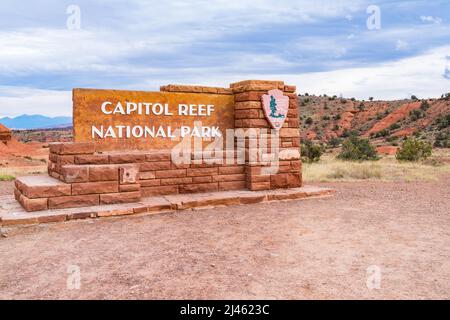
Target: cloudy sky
<point x="333" y="47"/>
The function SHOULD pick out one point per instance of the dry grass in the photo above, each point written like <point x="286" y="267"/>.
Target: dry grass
<point x="387" y="169"/>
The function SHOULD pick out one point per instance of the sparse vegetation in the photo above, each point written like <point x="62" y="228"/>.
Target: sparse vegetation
<point x="6" y="177"/>
<point x="311" y="152"/>
<point x="414" y="150"/>
<point x="309" y="121"/>
<point x="416" y="114"/>
<point x="424" y="105"/>
<point x="357" y="149"/>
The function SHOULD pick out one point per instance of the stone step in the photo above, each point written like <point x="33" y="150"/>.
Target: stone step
<point x="11" y="214"/>
<point x="34" y="187"/>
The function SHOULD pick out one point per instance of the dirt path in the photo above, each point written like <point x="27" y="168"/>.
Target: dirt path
<point x="287" y="250"/>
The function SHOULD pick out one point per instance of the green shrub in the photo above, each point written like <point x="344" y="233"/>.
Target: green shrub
<point x="334" y="142"/>
<point x="357" y="149"/>
<point x="414" y="150"/>
<point x="309" y="121"/>
<point x="311" y="152"/>
<point x="394" y="126"/>
<point x="424" y="105"/>
<point x="337" y="117"/>
<point x="6" y="177"/>
<point x="382" y="133"/>
<point x="416" y="114"/>
<point x="326" y="118"/>
<point x="336" y="127"/>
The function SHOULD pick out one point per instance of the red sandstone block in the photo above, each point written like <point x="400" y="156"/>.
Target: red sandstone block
<point x="296" y="165"/>
<point x="103" y="173"/>
<point x="290" y="132"/>
<point x="296" y="142"/>
<point x="289" y="88"/>
<point x="17" y="194"/>
<point x="42" y="187"/>
<point x="258" y="178"/>
<point x="275" y="83"/>
<point x="95" y="187"/>
<point x="224" y="91"/>
<point x="55" y="147"/>
<point x="129" y="187"/>
<point x="76" y="148"/>
<point x="292" y="113"/>
<point x="52" y="218"/>
<point x="232" y="185"/>
<point x="201" y="187"/>
<point x="147" y="175"/>
<point x="255" y="123"/>
<point x="53" y="157"/>
<point x="294" y="123"/>
<point x="92" y="159"/>
<point x="229" y="177"/>
<point x="171" y="181"/>
<point x="279" y="181"/>
<point x="159" y="190"/>
<point x="178" y="173"/>
<point x="294" y="180"/>
<point x="203" y="179"/>
<point x="202" y="172"/>
<point x="65" y="159"/>
<point x="248" y="96"/>
<point x="123" y="197"/>
<point x="238" y="123"/>
<point x="157" y="165"/>
<point x="128" y="173"/>
<point x="73" y="201"/>
<point x="232" y="170"/>
<point x="157" y="156"/>
<point x="33" y="204"/>
<point x="179" y="166"/>
<point x="258" y="186"/>
<point x="150" y="183"/>
<point x="75" y="173"/>
<point x="126" y="158"/>
<point x="247" y="114"/>
<point x="248" y="105"/>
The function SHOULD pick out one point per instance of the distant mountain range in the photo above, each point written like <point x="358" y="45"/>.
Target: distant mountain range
<point x="36" y="122"/>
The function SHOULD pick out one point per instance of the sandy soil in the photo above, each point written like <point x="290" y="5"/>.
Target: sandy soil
<point x="317" y="248"/>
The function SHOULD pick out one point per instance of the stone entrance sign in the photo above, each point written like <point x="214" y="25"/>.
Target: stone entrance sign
<point x="139" y="120"/>
<point x="126" y="150"/>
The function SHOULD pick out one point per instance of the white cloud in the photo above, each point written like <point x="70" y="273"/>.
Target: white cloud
<point x="15" y="101"/>
<point x="401" y="45"/>
<point x="420" y="75"/>
<point x="432" y="19"/>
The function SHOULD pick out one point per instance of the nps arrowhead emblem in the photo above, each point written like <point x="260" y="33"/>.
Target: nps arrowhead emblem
<point x="275" y="106"/>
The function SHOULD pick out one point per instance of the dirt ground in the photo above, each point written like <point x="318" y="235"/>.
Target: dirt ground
<point x="310" y="249"/>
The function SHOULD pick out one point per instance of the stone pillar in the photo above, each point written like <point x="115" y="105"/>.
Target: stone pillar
<point x="268" y="169"/>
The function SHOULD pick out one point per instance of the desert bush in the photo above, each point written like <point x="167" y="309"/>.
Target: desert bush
<point x="382" y="133"/>
<point x="443" y="122"/>
<point x="308" y="121"/>
<point x="334" y="142"/>
<point x="394" y="126"/>
<point x="416" y="114"/>
<point x="413" y="97"/>
<point x="414" y="150"/>
<point x="6" y="177"/>
<point x="424" y="105"/>
<point x="371" y="98"/>
<point x="311" y="152"/>
<point x="357" y="149"/>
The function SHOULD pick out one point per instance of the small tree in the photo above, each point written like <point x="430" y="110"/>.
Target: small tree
<point x="357" y="149"/>
<point x="414" y="150"/>
<point x="311" y="152"/>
